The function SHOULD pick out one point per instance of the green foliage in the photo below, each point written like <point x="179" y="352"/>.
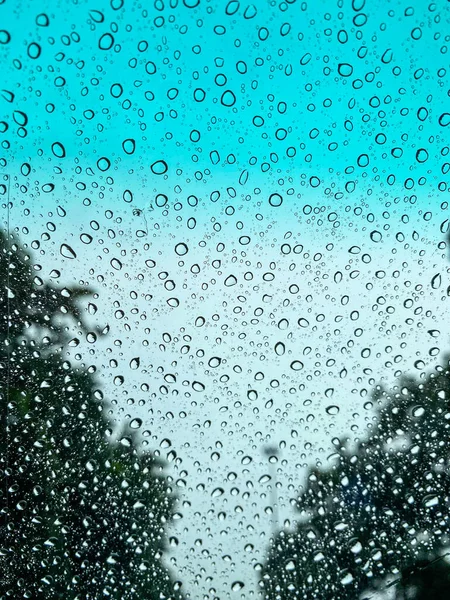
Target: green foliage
<point x="380" y="512"/>
<point x="81" y="517"/>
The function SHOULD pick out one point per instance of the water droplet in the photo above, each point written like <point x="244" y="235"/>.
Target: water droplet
<point x="116" y="264"/>
<point x="280" y="348"/>
<point x="290" y="565"/>
<point x="305" y="59"/>
<point x="116" y="90"/>
<point x="296" y="365"/>
<point x="5" y="36"/>
<point x="135" y="363"/>
<point x="230" y="281"/>
<point x="86" y="238"/>
<point x="444" y="120"/>
<point x="198" y="386"/>
<point x="228" y="98"/>
<point x="250" y="12"/>
<point x="418" y="411"/>
<point x="159" y="167"/>
<point x="42" y="20"/>
<point x="422" y="155"/>
<point x="345" y="69"/>
<point x="20" y="118"/>
<point x="25" y="169"/>
<point x="181" y="249"/>
<point x="34" y="50"/>
<point x="129" y="146"/>
<point x="106" y="41"/>
<point x="103" y="163"/>
<point x="275" y="200"/>
<point x="436" y="281"/>
<point x="237" y="586"/>
<point x="376" y="236"/>
<point x="58" y="150"/>
<point x="97" y="16"/>
<point x="67" y="251"/>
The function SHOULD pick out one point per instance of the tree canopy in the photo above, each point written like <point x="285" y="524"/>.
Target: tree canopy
<point x="82" y="516"/>
<point x="380" y="511"/>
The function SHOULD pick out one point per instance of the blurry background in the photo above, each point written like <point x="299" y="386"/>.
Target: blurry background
<point x="257" y="194"/>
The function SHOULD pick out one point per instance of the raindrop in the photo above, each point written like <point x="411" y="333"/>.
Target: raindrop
<point x="345" y="69"/>
<point x="232" y="7"/>
<point x="421" y="155"/>
<point x="129" y="146"/>
<point x="34" y="50"/>
<point x="436" y="281"/>
<point x="214" y="156"/>
<point x="42" y="20"/>
<point x="58" y="150"/>
<point x="161" y="200"/>
<point x="387" y="56"/>
<point x="106" y="41"/>
<point x="5" y="36"/>
<point x="25" y="169"/>
<point x="280" y="348"/>
<point x="97" y="16"/>
<point x="181" y="249"/>
<point x="103" y="163"/>
<point x="20" y="118"/>
<point x="418" y="411"/>
<point x="67" y="251"/>
<point x="116" y="90"/>
<point x="198" y="386"/>
<point x="305" y="58"/>
<point x="275" y="200"/>
<point x="230" y="281"/>
<point x="376" y="236"/>
<point x="296" y="365"/>
<point x="228" y="98"/>
<point x="159" y="167"/>
<point x="237" y="586"/>
<point x="150" y="68"/>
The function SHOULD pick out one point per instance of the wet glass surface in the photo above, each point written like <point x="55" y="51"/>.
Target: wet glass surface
<point x="224" y="262"/>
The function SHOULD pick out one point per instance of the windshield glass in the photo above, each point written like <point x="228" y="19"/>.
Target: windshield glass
<point x="224" y="263"/>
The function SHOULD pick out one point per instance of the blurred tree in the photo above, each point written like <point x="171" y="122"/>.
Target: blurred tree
<point x="380" y="511"/>
<point x="81" y="517"/>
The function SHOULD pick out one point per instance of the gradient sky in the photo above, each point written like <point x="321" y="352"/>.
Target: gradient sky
<point x="299" y="152"/>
